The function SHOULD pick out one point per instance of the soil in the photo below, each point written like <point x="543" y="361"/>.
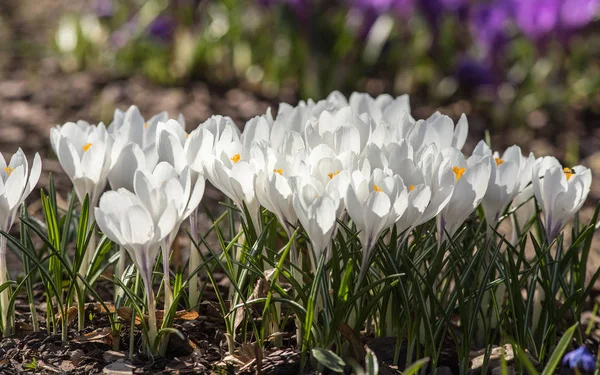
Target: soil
<point x="36" y="94"/>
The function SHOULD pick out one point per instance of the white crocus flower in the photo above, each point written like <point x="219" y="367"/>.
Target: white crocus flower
<point x="83" y="151"/>
<point x="374" y="204"/>
<point x="130" y="127"/>
<point x="510" y="173"/>
<point x="129" y="159"/>
<point x="128" y="221"/>
<point x="232" y="172"/>
<point x="343" y="130"/>
<point x="272" y="185"/>
<point x="16" y="183"/>
<point x="383" y="108"/>
<point x="430" y="181"/>
<point x="295" y="119"/>
<point x="256" y="130"/>
<point x="317" y="210"/>
<point x="439" y="129"/>
<point x="560" y="192"/>
<point x="224" y="131"/>
<point x="325" y="164"/>
<point x="472" y="178"/>
<point x="179" y="190"/>
<point x="189" y="151"/>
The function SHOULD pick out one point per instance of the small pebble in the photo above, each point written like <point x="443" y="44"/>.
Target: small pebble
<point x="118" y="368"/>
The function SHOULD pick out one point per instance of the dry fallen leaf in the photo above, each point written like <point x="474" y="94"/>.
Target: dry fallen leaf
<point x="71" y="314"/>
<point x="125" y="313"/>
<point x="101" y="336"/>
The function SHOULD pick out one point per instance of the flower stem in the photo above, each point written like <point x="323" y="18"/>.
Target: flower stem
<point x="152" y="327"/>
<point x="166" y="249"/>
<point x="7" y="318"/>
<point x="194" y="293"/>
<point x="120" y="269"/>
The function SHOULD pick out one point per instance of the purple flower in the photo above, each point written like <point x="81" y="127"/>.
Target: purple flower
<point x="162" y="28"/>
<point x="578" y="13"/>
<point x="471" y="73"/>
<point x="537" y="18"/>
<point x="402" y="8"/>
<point x="453" y="5"/>
<point x="580" y="359"/>
<point x="488" y="23"/>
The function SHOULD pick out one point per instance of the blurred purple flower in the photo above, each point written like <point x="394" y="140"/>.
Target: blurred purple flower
<point x="578" y="13"/>
<point x="488" y="24"/>
<point x="403" y="8"/>
<point x="162" y="28"/>
<point x="580" y="359"/>
<point x="453" y="5"/>
<point x="537" y="18"/>
<point x="104" y="8"/>
<point x="471" y="73"/>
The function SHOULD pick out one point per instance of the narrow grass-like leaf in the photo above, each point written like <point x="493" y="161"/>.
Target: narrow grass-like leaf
<point x="560" y="349"/>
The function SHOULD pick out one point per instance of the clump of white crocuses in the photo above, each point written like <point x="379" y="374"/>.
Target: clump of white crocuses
<point x="348" y="173"/>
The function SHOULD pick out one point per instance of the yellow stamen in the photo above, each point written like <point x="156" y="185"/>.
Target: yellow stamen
<point x="146" y="125"/>
<point x="377" y="189"/>
<point x="411" y="187"/>
<point x="9" y="170"/>
<point x="569" y="172"/>
<point x="280" y="171"/>
<point x="87" y="147"/>
<point x="458" y="172"/>
<point x="187" y="135"/>
<point x="235" y="158"/>
<point x="333" y="174"/>
<point x="499" y="161"/>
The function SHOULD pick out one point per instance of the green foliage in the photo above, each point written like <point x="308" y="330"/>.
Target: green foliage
<point x="473" y="290"/>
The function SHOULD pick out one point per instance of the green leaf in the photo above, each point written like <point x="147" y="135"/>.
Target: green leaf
<point x="415" y="367"/>
<point x="524" y="360"/>
<point x="371" y="363"/>
<point x="328" y="359"/>
<point x="560" y="349"/>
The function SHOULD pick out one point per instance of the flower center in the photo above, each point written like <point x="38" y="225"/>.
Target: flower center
<point x="499" y="161"/>
<point x="235" y="158"/>
<point x="87" y="147"/>
<point x="410" y="188"/>
<point x="569" y="172"/>
<point x="146" y="125"/>
<point x="458" y="172"/>
<point x="377" y="189"/>
<point x="9" y="170"/>
<point x="280" y="171"/>
<point x="333" y="174"/>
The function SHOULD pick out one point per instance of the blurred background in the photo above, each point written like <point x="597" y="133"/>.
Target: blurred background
<point x="526" y="70"/>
